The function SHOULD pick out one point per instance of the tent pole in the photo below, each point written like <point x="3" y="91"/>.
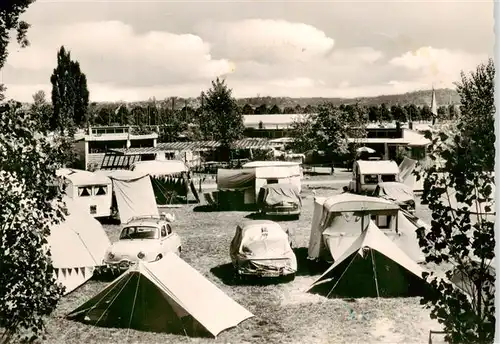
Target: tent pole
<point x="362" y="222"/>
<point x="374" y="273"/>
<point x="397" y="222"/>
<point x="133" y="305"/>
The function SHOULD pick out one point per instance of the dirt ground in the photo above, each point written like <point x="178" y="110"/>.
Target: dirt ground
<point x="284" y="313"/>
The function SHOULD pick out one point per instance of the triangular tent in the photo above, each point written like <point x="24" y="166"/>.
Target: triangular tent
<point x="373" y="266"/>
<point x="163" y="296"/>
<point x="79" y="242"/>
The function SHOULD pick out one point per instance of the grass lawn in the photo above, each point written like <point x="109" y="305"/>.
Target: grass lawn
<point x="284" y="313"/>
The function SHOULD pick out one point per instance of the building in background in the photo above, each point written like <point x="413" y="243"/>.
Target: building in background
<point x="92" y="146"/>
<point x="270" y="126"/>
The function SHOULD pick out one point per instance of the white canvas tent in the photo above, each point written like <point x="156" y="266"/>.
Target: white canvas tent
<point x="477" y="207"/>
<point x="77" y="246"/>
<point x="237" y="181"/>
<point x="372" y="266"/>
<point x="407" y="177"/>
<point x="338" y="220"/>
<point x="170" y="179"/>
<point x="160" y="167"/>
<point x="134" y="193"/>
<point x="163" y="296"/>
<point x="464" y="280"/>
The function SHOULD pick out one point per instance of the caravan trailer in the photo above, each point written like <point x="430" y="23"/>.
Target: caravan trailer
<point x="273" y="172"/>
<point x="88" y="190"/>
<point x="367" y="174"/>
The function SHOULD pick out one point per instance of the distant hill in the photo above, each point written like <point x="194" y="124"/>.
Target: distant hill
<point x="419" y="98"/>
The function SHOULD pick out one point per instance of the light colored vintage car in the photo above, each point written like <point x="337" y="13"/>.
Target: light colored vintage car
<point x="397" y="192"/>
<point x="282" y="199"/>
<point x="143" y="238"/>
<point x="262" y="248"/>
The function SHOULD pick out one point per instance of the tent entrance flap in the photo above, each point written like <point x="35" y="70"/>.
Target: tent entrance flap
<point x="134" y="197"/>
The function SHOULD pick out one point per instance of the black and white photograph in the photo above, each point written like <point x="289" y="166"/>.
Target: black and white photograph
<point x="247" y="172"/>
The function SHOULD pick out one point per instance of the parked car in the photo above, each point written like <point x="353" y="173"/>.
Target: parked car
<point x="143" y="238"/>
<point x="262" y="248"/>
<point x="279" y="199"/>
<point x="398" y="193"/>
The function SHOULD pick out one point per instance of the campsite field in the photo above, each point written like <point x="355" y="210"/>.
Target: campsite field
<point x="284" y="313"/>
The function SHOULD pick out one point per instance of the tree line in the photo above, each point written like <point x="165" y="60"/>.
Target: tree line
<point x="168" y="112"/>
<point x="375" y="113"/>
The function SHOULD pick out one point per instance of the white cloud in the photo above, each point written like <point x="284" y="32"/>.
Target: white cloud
<point x="359" y="55"/>
<point x="257" y="56"/>
<point x="265" y="40"/>
<point x="440" y="67"/>
<point x="115" y="44"/>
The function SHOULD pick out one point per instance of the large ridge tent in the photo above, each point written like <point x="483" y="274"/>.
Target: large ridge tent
<point x="160" y="167"/>
<point x="372" y="266"/>
<point x="77" y="245"/>
<point x="408" y="178"/>
<point x="133" y="192"/>
<point x="338" y="220"/>
<point x="478" y="208"/>
<point x="163" y="296"/>
<point x="170" y="180"/>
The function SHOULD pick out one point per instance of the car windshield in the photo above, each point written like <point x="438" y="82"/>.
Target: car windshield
<point x="139" y="232"/>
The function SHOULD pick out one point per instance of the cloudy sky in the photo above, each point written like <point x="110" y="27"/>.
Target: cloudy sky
<point x="134" y="50"/>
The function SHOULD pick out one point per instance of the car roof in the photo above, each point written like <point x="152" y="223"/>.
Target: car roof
<point x="144" y="221"/>
<point x="395" y="185"/>
<point x="253" y="230"/>
<point x="378" y="167"/>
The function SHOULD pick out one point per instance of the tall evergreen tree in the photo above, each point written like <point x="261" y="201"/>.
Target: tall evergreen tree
<point x="70" y="96"/>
